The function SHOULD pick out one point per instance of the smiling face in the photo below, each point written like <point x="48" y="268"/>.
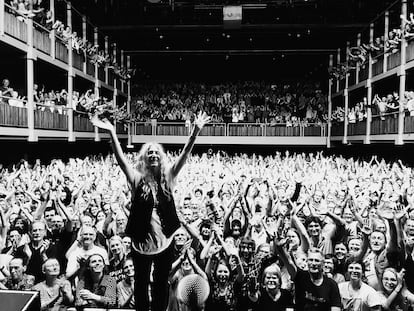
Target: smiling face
<point x="115" y="247"/>
<point x="153" y="157"/>
<point x="222" y="273"/>
<point x="271" y="280"/>
<point x="314" y="229"/>
<point x="315" y="262"/>
<point x="377" y="241"/>
<point x="355" y="271"/>
<point x="128" y="268"/>
<point x="340" y="251"/>
<point x="51" y="267"/>
<point x="389" y="281"/>
<point x="96" y="264"/>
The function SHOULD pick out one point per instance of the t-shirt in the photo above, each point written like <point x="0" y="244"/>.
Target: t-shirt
<point x="362" y="300"/>
<point x="265" y="303"/>
<point x="79" y="256"/>
<point x="310" y="297"/>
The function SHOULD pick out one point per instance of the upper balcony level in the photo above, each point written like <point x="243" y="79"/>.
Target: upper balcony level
<point x="44" y="43"/>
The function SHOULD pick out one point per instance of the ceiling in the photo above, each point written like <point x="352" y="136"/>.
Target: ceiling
<point x="186" y="39"/>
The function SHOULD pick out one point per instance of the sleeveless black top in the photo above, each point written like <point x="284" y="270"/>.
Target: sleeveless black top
<point x="139" y="221"/>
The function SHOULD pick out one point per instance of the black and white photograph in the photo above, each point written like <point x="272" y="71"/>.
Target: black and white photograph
<point x="207" y="155"/>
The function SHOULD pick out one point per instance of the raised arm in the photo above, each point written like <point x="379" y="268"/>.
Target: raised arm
<point x="116" y="146"/>
<point x="199" y="123"/>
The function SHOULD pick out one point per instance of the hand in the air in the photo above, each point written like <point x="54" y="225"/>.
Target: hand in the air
<point x="201" y="120"/>
<point x="103" y="124"/>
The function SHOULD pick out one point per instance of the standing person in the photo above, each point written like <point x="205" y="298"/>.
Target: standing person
<point x="153" y="219"/>
<point x="313" y="290"/>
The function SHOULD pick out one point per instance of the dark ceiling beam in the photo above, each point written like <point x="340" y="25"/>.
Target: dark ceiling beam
<point x="242" y="27"/>
<point x="232" y="52"/>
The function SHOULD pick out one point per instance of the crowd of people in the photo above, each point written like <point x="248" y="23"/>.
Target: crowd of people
<point x="304" y="231"/>
<point x="249" y="102"/>
<point x="381" y="106"/>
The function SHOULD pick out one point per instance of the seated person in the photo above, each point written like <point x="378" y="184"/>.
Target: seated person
<point x="18" y="279"/>
<point x="55" y="292"/>
<point x="96" y="288"/>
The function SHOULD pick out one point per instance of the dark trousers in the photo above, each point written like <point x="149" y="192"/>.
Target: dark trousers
<point x="159" y="290"/>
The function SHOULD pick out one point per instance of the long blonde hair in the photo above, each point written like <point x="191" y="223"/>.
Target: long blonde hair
<point x="147" y="176"/>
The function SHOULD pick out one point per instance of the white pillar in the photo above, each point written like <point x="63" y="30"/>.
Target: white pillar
<point x="2" y="8"/>
<point x="386" y="30"/>
<point x="71" y="136"/>
<point x="328" y="141"/>
<point x="84" y="34"/>
<point x="346" y="99"/>
<point x="130" y="125"/>
<point x="97" y="84"/>
<point x="30" y="58"/>
<point x="368" y="100"/>
<point x="402" y="74"/>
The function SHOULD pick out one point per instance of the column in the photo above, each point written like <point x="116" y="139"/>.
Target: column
<point x="130" y="125"/>
<point x="115" y="94"/>
<point x="97" y="84"/>
<point x="338" y="61"/>
<point x="71" y="75"/>
<point x="52" y="32"/>
<point x="328" y="141"/>
<point x="30" y="58"/>
<point x="84" y="29"/>
<point x="122" y="66"/>
<point x="386" y="30"/>
<point x="357" y="65"/>
<point x="368" y="100"/>
<point x="2" y="8"/>
<point x="106" y="53"/>
<point x="346" y="98"/>
<point x="402" y="74"/>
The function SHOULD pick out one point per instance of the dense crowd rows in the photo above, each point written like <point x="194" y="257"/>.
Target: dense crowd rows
<point x="232" y="102"/>
<point x="251" y="227"/>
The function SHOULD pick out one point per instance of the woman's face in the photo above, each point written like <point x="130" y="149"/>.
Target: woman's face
<point x="293" y="238"/>
<point x="129" y="269"/>
<point x="389" y="281"/>
<point x="301" y="261"/>
<point x="348" y="216"/>
<point x="340" y="251"/>
<point x="127" y="243"/>
<point x="354" y="246"/>
<point x="100" y="217"/>
<point x="94" y="210"/>
<point x="222" y="273"/>
<point x="116" y="247"/>
<point x="271" y="281"/>
<point x="96" y="264"/>
<point x="153" y="156"/>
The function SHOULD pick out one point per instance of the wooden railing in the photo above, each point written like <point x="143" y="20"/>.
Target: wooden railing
<point x="78" y="60"/>
<point x="230" y="129"/>
<point x="81" y="123"/>
<point x="357" y="128"/>
<point x="337" y="129"/>
<point x="48" y="120"/>
<point x="12" y="116"/>
<point x="61" y="51"/>
<point x="409" y="124"/>
<point x="13" y="26"/>
<point x="41" y="38"/>
<point x="394" y="60"/>
<point x="387" y="124"/>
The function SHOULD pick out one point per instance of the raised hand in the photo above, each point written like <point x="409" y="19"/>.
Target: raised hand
<point x="103" y="124"/>
<point x="201" y="120"/>
<point x="400" y="211"/>
<point x="367" y="227"/>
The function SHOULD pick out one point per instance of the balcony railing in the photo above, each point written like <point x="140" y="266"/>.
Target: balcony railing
<point x="230" y="129"/>
<point x="357" y="128"/>
<point x="41" y="38"/>
<point x="14" y="24"/>
<point x="12" y="116"/>
<point x="385" y="124"/>
<point x="337" y="129"/>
